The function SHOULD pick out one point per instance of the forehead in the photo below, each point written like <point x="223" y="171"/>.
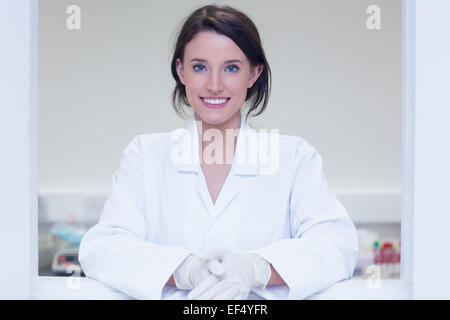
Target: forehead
<point x="209" y="45"/>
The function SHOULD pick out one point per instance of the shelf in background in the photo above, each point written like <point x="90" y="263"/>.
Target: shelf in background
<point x="373" y="207"/>
<point x="363" y="207"/>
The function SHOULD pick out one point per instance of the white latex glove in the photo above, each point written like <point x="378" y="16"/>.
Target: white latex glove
<point x="193" y="270"/>
<point x="239" y="274"/>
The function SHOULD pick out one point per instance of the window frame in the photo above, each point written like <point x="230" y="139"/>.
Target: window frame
<point x="39" y="287"/>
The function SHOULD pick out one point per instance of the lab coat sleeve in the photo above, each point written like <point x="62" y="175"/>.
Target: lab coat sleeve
<point x="323" y="248"/>
<point x="115" y="250"/>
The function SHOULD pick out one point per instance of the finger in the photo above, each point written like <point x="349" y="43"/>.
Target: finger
<point x="228" y="294"/>
<point x="203" y="286"/>
<point x="217" y="255"/>
<point x="216" y="267"/>
<point x="214" y="290"/>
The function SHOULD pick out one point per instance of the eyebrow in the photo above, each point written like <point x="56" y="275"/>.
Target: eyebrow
<point x="228" y="61"/>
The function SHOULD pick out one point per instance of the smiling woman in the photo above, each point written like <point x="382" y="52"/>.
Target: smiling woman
<point x="214" y="230"/>
<point x="214" y="85"/>
<point x="427" y="177"/>
<point x="219" y="54"/>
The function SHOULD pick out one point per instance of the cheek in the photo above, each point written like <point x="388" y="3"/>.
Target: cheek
<point x="238" y="87"/>
<point x="193" y="86"/>
<point x="194" y="82"/>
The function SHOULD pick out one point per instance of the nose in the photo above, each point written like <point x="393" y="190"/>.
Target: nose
<point x="214" y="82"/>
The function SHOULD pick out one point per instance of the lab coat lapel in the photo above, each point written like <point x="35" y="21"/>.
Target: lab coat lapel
<point x="243" y="164"/>
<point x="227" y="192"/>
<point x="246" y="161"/>
<point x="191" y="163"/>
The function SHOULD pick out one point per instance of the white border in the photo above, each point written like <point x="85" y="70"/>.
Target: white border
<point x="58" y="288"/>
<point x="408" y="142"/>
<point x="431" y="258"/>
<point x="34" y="123"/>
<point x="18" y="88"/>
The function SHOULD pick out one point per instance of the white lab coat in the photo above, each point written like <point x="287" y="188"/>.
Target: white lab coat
<point x="159" y="211"/>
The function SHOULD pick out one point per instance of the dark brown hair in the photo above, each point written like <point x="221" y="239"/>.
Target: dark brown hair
<point x="239" y="28"/>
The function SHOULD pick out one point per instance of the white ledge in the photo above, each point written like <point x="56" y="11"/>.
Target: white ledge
<point x="76" y="288"/>
<point x="366" y="290"/>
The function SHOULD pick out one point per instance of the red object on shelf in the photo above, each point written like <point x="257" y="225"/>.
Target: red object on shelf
<point x="377" y="258"/>
<point x="396" y="257"/>
<point x="387" y="245"/>
<point x="387" y="251"/>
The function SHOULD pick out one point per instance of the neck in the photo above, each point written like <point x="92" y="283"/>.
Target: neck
<point x="212" y="145"/>
<point x="233" y="123"/>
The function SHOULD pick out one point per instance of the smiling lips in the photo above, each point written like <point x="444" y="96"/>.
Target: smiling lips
<point x="215" y="102"/>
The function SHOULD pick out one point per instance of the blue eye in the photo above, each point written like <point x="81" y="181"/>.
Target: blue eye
<point x="235" y="68"/>
<point x="197" y="65"/>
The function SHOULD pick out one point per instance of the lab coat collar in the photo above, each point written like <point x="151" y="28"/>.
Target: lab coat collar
<point x="245" y="160"/>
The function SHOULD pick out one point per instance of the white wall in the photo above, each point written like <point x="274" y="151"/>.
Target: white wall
<point x="431" y="257"/>
<point x="17" y="93"/>
<point x="335" y="83"/>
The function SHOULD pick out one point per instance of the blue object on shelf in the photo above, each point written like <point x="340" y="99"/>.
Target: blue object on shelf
<point x="71" y="234"/>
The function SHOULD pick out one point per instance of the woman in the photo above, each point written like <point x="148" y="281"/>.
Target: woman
<point x="190" y="218"/>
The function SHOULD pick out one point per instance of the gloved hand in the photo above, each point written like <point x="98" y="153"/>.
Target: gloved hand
<point x="194" y="270"/>
<point x="239" y="274"/>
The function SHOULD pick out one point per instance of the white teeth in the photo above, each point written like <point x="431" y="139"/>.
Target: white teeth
<point x="215" y="101"/>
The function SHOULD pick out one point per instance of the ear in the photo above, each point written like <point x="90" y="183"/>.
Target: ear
<point x="180" y="71"/>
<point x="255" y="72"/>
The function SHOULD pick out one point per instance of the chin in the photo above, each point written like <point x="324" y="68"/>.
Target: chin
<point x="214" y="118"/>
